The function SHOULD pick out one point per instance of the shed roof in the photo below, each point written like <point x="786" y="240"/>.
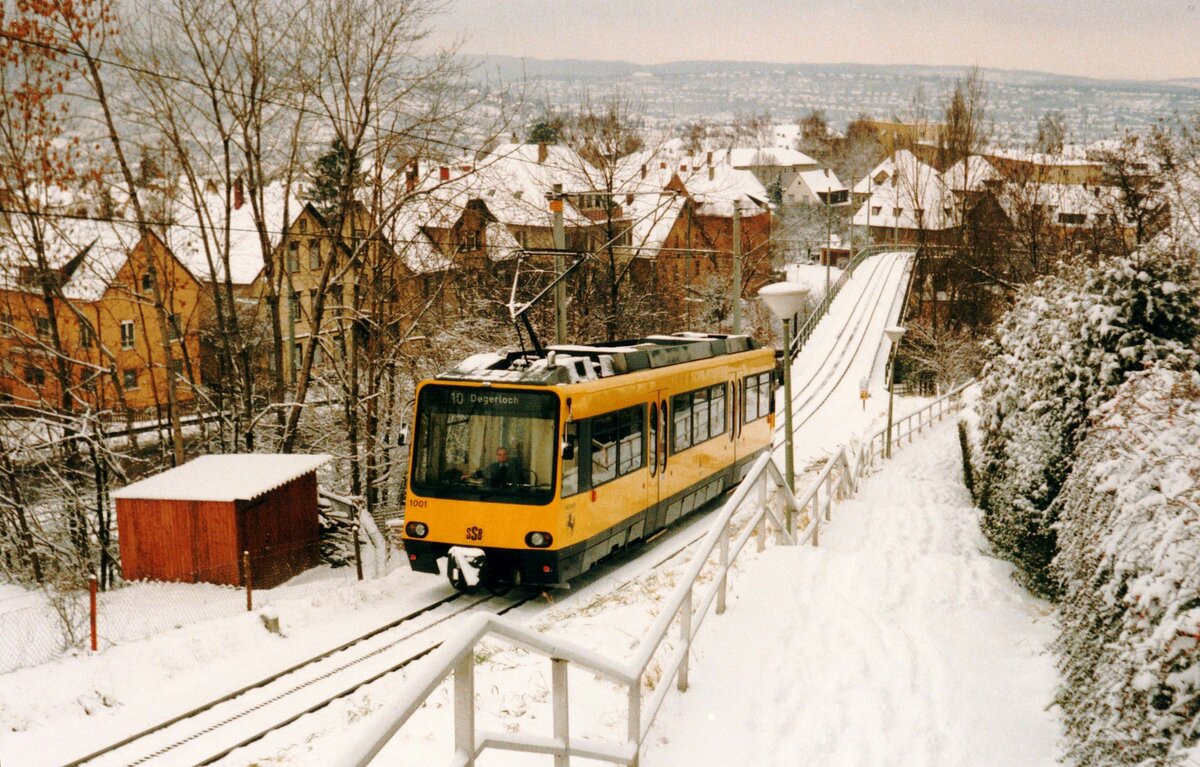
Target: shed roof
<point x="224" y="478"/>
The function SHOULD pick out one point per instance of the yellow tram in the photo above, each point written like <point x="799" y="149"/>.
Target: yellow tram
<point x="528" y="468"/>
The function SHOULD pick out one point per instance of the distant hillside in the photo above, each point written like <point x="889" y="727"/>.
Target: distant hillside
<point x="682" y="91"/>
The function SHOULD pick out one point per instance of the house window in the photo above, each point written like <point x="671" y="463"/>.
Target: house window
<point x="897" y="212"/>
<point x="303" y="225"/>
<point x="43" y="326"/>
<point x="6" y="324"/>
<point x="174" y="330"/>
<point x="294" y="304"/>
<point x="85" y="336"/>
<point x="875" y="209"/>
<point x="1072" y="219"/>
<point x="470" y="240"/>
<point x="293" y="256"/>
<point x="127" y="341"/>
<point x="130" y="379"/>
<point x="35" y="376"/>
<point x="314" y="254"/>
<point x="147" y="283"/>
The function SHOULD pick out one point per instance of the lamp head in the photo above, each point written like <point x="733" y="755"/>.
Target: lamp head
<point x="784" y="299"/>
<point x="895" y="333"/>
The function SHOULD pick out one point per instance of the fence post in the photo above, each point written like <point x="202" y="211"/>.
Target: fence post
<point x="92" y="608"/>
<point x="634" y="726"/>
<point x="357" y="550"/>
<point x="816" y="515"/>
<point x="562" y="719"/>
<point x="464" y="708"/>
<point x="725" y="568"/>
<point x="685" y="634"/>
<point x="829" y="496"/>
<point x="249" y="581"/>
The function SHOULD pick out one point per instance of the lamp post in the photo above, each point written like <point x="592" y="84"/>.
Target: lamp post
<point x="785" y="300"/>
<point x="894" y="335"/>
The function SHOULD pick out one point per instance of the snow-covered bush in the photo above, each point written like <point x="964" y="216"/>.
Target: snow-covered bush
<point x="1128" y="571"/>
<point x="1062" y="350"/>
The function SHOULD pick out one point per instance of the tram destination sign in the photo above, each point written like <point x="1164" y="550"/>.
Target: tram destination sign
<point x="488" y="401"/>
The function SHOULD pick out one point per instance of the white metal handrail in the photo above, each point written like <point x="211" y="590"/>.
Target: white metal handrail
<point x="837" y="479"/>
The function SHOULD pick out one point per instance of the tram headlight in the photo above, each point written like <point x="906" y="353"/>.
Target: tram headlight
<point x="538" y="540"/>
<point x="416" y="529"/>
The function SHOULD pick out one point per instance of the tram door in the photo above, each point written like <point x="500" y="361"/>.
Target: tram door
<point x="657" y="489"/>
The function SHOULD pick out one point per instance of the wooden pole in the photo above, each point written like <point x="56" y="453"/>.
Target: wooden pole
<point x="249" y="581"/>
<point x="357" y="550"/>
<point x="92" y="608"/>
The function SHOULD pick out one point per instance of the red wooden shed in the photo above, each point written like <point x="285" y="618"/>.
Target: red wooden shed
<point x="193" y="522"/>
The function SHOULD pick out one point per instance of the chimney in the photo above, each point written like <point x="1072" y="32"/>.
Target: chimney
<point x="662" y="165"/>
<point x="410" y="176"/>
<point x="708" y="158"/>
<point x="542" y="152"/>
<point x="683" y="167"/>
<point x="643" y="170"/>
<point x="239" y="193"/>
<point x="712" y="173"/>
<point x="443" y="173"/>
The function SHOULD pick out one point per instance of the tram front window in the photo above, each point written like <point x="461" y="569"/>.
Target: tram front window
<point x="485" y="444"/>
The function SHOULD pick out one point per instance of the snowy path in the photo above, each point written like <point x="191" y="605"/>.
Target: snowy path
<point x="898" y="642"/>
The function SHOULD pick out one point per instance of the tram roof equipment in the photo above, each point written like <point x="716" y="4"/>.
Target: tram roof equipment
<point x="568" y="363"/>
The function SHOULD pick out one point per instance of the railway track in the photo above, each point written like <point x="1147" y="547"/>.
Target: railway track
<point x="840" y="357"/>
<point x="204" y="735"/>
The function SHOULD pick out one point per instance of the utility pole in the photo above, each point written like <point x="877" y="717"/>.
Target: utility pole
<point x="828" y="238"/>
<point x="737" y="267"/>
<point x="560" y="244"/>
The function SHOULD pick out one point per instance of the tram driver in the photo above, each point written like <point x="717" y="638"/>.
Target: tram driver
<point x="499" y="473"/>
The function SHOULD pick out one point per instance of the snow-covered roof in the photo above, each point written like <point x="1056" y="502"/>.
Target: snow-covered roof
<point x="970" y="174"/>
<point x="914" y="197"/>
<point x="653" y="216"/>
<point x="90" y="252"/>
<point x="1039" y="158"/>
<point x="746" y="157"/>
<point x="196" y="224"/>
<point x="821" y="180"/>
<point x="405" y="231"/>
<point x="716" y="187"/>
<point x="877" y="176"/>
<point x="224" y="478"/>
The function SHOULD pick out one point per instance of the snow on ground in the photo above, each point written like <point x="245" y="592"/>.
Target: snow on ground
<point x="898" y="642"/>
<point x="813" y="276"/>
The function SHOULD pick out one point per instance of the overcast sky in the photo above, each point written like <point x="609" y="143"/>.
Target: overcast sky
<point x="1135" y="39"/>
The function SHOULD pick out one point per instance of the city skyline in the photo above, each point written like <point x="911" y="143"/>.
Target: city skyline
<point x="1113" y="40"/>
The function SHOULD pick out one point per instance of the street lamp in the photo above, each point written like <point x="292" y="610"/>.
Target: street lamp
<point x="785" y="300"/>
<point x="894" y="334"/>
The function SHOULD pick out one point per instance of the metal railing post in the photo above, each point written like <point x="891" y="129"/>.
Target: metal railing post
<point x="464" y="708"/>
<point x="685" y="635"/>
<point x="816" y="516"/>
<point x="829" y="496"/>
<point x="562" y="719"/>
<point x="724" y="564"/>
<point x="634" y="727"/>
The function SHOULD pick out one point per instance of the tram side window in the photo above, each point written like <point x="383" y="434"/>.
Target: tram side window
<point x="632" y="445"/>
<point x="618" y="444"/>
<point x="681" y="426"/>
<point x="716" y="398"/>
<point x="604" y="448"/>
<point x="750" y="400"/>
<point x="765" y="395"/>
<point x="699" y="416"/>
<point x="570" y="483"/>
